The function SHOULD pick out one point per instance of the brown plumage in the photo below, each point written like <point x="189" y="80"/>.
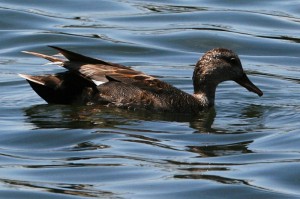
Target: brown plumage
<point x="93" y="81"/>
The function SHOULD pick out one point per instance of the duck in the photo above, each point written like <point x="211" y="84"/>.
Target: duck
<point x="93" y="81"/>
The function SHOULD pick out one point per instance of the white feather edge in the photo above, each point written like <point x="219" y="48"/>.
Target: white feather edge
<point x="60" y="63"/>
<point x="31" y="79"/>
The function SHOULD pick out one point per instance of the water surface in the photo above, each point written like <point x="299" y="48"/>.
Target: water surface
<point x="247" y="147"/>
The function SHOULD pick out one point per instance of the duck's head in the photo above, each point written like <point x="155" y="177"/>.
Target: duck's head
<point x="216" y="66"/>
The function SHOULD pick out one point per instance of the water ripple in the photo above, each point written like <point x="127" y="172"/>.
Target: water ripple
<point x="245" y="147"/>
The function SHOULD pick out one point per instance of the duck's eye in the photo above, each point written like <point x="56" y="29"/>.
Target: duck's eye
<point x="233" y="60"/>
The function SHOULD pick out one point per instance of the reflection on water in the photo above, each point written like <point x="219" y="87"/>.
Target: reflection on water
<point x="56" y="116"/>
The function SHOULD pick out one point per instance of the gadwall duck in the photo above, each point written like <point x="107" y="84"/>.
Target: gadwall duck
<point x="93" y="81"/>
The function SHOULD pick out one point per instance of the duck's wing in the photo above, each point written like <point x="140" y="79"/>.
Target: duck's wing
<point x="100" y="71"/>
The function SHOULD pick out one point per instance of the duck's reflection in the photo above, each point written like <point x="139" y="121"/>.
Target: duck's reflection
<point x="62" y="116"/>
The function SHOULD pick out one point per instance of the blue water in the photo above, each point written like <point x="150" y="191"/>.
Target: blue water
<point x="247" y="147"/>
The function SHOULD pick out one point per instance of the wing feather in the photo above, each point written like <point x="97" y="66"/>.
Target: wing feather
<point x="97" y="70"/>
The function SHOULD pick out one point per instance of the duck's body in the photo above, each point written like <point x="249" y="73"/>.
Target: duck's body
<point x="93" y="81"/>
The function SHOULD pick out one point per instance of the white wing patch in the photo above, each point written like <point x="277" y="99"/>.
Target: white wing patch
<point x="98" y="83"/>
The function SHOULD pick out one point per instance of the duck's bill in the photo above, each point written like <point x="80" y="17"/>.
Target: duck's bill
<point x="245" y="82"/>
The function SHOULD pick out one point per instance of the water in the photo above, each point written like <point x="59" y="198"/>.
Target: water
<point x="247" y="147"/>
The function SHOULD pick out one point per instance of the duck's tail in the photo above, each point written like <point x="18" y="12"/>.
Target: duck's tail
<point x="61" y="88"/>
<point x="66" y="87"/>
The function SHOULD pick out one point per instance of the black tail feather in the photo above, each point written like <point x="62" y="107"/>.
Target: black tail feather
<point x="61" y="88"/>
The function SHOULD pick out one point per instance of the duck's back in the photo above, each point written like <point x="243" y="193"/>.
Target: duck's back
<point x="168" y="99"/>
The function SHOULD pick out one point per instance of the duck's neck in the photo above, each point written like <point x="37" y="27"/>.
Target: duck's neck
<point x="205" y="93"/>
